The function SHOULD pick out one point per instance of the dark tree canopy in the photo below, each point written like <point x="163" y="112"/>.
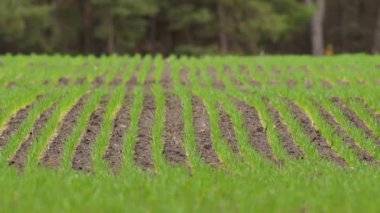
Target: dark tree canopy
<point x="181" y="26"/>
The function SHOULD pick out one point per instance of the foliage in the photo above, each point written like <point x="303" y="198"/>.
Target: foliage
<point x="147" y="26"/>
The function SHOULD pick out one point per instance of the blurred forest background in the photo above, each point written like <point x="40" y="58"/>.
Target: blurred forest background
<point x="189" y="26"/>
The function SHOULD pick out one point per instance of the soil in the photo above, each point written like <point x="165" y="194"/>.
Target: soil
<point x="14" y="124"/>
<point x="216" y="83"/>
<point x="360" y="81"/>
<point x="276" y="70"/>
<point x="290" y="69"/>
<point x="291" y="83"/>
<point x="285" y="136"/>
<point x="371" y="111"/>
<point x="309" y="84"/>
<point x="353" y="117"/>
<point x="344" y="83"/>
<point x="81" y="81"/>
<point x="272" y="82"/>
<point x="260" y="68"/>
<point x="53" y="154"/>
<point x="117" y="80"/>
<point x="305" y="68"/>
<point x="236" y="82"/>
<point x="98" y="81"/>
<point x="184" y="77"/>
<point x="46" y="82"/>
<point x="82" y="160"/>
<point x="150" y="78"/>
<point x="20" y="159"/>
<point x="114" y="153"/>
<point x="174" y="131"/>
<point x="254" y="82"/>
<point x="132" y="82"/>
<point x="202" y="133"/>
<point x="315" y="136"/>
<point x="363" y="155"/>
<point x="143" y="147"/>
<point x="256" y="131"/>
<point x="200" y="80"/>
<point x="11" y="85"/>
<point x="166" y="80"/>
<point x="63" y="82"/>
<point x="227" y="130"/>
<point x="326" y="84"/>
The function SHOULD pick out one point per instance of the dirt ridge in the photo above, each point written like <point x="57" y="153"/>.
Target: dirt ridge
<point x="362" y="154"/>
<point x="82" y="160"/>
<point x="173" y="135"/>
<point x="143" y="147"/>
<point x="315" y="136"/>
<point x="256" y="131"/>
<point x="227" y="130"/>
<point x="53" y="154"/>
<point x="202" y="133"/>
<point x="14" y="124"/>
<point x="286" y="137"/>
<point x="20" y="159"/>
<point x="121" y="123"/>
<point x="353" y="118"/>
<point x="215" y="81"/>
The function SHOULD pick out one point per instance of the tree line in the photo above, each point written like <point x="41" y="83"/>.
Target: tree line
<point x="189" y="26"/>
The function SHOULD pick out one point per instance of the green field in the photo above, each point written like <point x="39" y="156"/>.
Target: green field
<point x="184" y="134"/>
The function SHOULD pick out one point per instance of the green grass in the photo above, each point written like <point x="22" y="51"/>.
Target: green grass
<point x="242" y="183"/>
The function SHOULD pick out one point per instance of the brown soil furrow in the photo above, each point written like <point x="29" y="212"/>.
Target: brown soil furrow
<point x="308" y="83"/>
<point x="326" y="84"/>
<point x="285" y="136"/>
<point x="46" y="82"/>
<point x="114" y="153"/>
<point x="227" y="129"/>
<point x="82" y="159"/>
<point x="236" y="82"/>
<point x="98" y="81"/>
<point x="11" y="85"/>
<point x="216" y="83"/>
<point x="272" y="82"/>
<point x="166" y="80"/>
<point x="132" y="82"/>
<point x="14" y="124"/>
<point x="291" y="83"/>
<point x="19" y="160"/>
<point x="184" y="74"/>
<point x="371" y="111"/>
<point x="353" y="117"/>
<point x="200" y="79"/>
<point x="63" y="82"/>
<point x="256" y="131"/>
<point x="315" y="136"/>
<point x="203" y="136"/>
<point x="143" y="147"/>
<point x="53" y="154"/>
<point x="174" y="131"/>
<point x="118" y="79"/>
<point x="150" y="78"/>
<point x="81" y="81"/>
<point x="363" y="155"/>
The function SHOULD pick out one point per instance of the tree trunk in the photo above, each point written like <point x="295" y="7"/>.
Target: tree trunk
<point x="317" y="26"/>
<point x="376" y="44"/>
<point x="223" y="40"/>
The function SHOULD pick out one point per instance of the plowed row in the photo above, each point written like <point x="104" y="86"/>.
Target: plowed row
<point x="175" y="135"/>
